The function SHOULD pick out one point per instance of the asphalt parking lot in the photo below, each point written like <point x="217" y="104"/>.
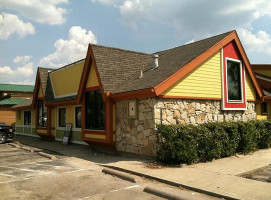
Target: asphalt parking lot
<point x="27" y="175"/>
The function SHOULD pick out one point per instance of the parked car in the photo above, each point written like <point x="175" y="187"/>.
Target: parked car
<point x="6" y="132"/>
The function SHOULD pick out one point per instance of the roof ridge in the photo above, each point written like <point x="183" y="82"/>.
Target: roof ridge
<point x="196" y="41"/>
<point x="120" y="49"/>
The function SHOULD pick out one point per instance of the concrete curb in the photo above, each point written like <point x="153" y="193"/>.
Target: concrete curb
<point x="52" y="157"/>
<point x="27" y="149"/>
<point x="119" y="174"/>
<point x="162" y="194"/>
<point x="254" y="171"/>
<point x="173" y="183"/>
<point x="14" y="145"/>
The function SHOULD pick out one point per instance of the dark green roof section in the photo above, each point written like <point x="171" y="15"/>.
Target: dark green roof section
<point x="16" y="88"/>
<point x="12" y="101"/>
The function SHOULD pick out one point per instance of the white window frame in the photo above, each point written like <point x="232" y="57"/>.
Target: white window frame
<point x="241" y="79"/>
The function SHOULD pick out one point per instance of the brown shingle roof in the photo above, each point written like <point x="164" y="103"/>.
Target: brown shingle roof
<point x="115" y="66"/>
<point x="44" y="77"/>
<point x="27" y="103"/>
<point x="170" y="61"/>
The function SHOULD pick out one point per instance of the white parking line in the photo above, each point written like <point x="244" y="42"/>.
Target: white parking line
<point x="78" y="170"/>
<point x="125" y="188"/>
<point x="6" y="175"/>
<point x="27" y="170"/>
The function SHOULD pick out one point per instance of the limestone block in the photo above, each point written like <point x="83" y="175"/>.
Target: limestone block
<point x="157" y="113"/>
<point x="176" y="114"/>
<point x="139" y="136"/>
<point x="141" y="116"/>
<point x="139" y="128"/>
<point x="147" y="132"/>
<point x="197" y="106"/>
<point x="192" y="120"/>
<point x="220" y="118"/>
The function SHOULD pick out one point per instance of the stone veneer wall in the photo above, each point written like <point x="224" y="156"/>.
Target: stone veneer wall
<point x="180" y="111"/>
<point x="138" y="135"/>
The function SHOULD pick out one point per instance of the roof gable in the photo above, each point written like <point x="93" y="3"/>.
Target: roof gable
<point x="170" y="62"/>
<point x="176" y="63"/>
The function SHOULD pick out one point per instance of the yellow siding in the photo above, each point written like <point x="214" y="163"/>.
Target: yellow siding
<point x="41" y="131"/>
<point x="250" y="89"/>
<point x="40" y="92"/>
<point x="265" y="72"/>
<point x="19" y="117"/>
<point x="205" y="81"/>
<point x="69" y="115"/>
<point x="95" y="136"/>
<point x="92" y="78"/>
<point x="258" y="111"/>
<point x="66" y="81"/>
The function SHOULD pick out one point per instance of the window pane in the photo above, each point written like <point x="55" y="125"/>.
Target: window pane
<point x="27" y="117"/>
<point x="234" y="80"/>
<point x="78" y="116"/>
<point x="264" y="108"/>
<point x="95" y="110"/>
<point x="42" y="114"/>
<point x="62" y="117"/>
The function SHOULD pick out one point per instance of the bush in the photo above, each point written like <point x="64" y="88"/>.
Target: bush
<point x="189" y="144"/>
<point x="177" y="137"/>
<point x="264" y="133"/>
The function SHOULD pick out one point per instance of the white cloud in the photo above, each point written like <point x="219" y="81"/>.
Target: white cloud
<point x="17" y="75"/>
<point x="11" y="24"/>
<point x="259" y="42"/>
<point x="70" y="50"/>
<point x="192" y="18"/>
<point x="23" y="59"/>
<point x="24" y="82"/>
<point x="5" y="71"/>
<point x="108" y="2"/>
<point x="26" y="70"/>
<point x="40" y="11"/>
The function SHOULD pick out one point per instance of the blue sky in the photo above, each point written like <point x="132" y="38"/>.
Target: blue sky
<point x="53" y="33"/>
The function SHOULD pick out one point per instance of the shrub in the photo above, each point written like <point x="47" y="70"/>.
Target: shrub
<point x="264" y="133"/>
<point x="177" y="144"/>
<point x="190" y="144"/>
<point x="248" y="137"/>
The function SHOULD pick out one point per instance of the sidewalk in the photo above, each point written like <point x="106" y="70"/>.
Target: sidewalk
<point x="217" y="177"/>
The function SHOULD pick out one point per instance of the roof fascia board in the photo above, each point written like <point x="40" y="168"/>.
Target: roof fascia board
<point x="144" y="93"/>
<point x="85" y="74"/>
<point x="248" y="65"/>
<point x="37" y="84"/>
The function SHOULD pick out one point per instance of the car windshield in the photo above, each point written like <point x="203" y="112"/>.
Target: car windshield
<point x="2" y="123"/>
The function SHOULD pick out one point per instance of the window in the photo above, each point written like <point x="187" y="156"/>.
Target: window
<point x="42" y="114"/>
<point x="95" y="110"/>
<point x="27" y="117"/>
<point x="264" y="108"/>
<point x="78" y="116"/>
<point x="62" y="117"/>
<point x="234" y="83"/>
